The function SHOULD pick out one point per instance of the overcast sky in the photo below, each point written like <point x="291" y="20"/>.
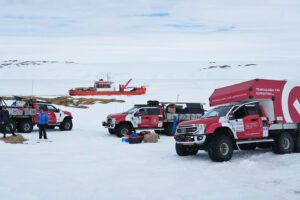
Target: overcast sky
<point x="254" y="28"/>
<point x="115" y="17"/>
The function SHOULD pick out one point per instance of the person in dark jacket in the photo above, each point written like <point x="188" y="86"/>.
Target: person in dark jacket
<point x="43" y="121"/>
<point x="5" y="123"/>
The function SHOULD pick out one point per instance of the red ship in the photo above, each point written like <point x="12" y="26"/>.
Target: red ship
<point x="103" y="87"/>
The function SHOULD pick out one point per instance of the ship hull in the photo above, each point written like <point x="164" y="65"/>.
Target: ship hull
<point x="136" y="91"/>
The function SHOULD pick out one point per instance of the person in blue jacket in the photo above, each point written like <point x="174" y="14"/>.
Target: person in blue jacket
<point x="43" y="121"/>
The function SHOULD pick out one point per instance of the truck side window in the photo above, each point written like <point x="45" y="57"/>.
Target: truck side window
<point x="240" y="113"/>
<point x="39" y="107"/>
<point x="153" y="111"/>
<point x="252" y="109"/>
<point x="51" y="108"/>
<point x="142" y="112"/>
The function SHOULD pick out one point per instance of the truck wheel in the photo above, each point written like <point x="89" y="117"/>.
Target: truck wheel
<point x="193" y="151"/>
<point x="168" y="129"/>
<point x="297" y="143"/>
<point x="185" y="150"/>
<point x="283" y="144"/>
<point x="66" y="125"/>
<point x="111" y="131"/>
<point x="123" y="129"/>
<point x="247" y="146"/>
<point x="25" y="126"/>
<point x="220" y="149"/>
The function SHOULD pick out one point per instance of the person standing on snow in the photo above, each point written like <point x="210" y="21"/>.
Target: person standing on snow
<point x="42" y="122"/>
<point x="4" y="122"/>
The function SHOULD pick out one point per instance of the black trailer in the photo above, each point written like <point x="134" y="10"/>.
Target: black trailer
<point x="182" y="111"/>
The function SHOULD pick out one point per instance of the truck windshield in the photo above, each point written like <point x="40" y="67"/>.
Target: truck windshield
<point x="131" y="110"/>
<point x="217" y="112"/>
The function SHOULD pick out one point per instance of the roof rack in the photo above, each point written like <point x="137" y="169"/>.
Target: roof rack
<point x="182" y="103"/>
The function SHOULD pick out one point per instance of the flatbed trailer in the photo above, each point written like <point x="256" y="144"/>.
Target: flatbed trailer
<point x="21" y="118"/>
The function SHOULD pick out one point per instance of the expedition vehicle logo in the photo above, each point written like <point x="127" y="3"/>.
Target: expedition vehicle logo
<point x="294" y="104"/>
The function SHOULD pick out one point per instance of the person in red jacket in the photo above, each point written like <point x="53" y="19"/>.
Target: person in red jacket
<point x="43" y="121"/>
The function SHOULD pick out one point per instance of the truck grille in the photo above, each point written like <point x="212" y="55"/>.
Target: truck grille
<point x="109" y="120"/>
<point x="187" y="129"/>
<point x="184" y="138"/>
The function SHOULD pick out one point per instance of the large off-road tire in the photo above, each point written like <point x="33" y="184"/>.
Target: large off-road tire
<point x="66" y="125"/>
<point x="248" y="147"/>
<point x="168" y="129"/>
<point x="283" y="144"/>
<point x="111" y="131"/>
<point x="297" y="143"/>
<point x="123" y="129"/>
<point x="186" y="150"/>
<point x="25" y="126"/>
<point x="220" y="148"/>
<point x="13" y="126"/>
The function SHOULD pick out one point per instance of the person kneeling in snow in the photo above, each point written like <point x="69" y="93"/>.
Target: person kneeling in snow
<point x="42" y="122"/>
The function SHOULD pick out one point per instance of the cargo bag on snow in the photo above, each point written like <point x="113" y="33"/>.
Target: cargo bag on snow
<point x="151" y="138"/>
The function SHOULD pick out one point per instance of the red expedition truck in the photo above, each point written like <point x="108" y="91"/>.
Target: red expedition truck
<point x="257" y="113"/>
<point x="157" y="116"/>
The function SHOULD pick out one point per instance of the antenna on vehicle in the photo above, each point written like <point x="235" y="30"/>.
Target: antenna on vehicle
<point x="32" y="86"/>
<point x="177" y="98"/>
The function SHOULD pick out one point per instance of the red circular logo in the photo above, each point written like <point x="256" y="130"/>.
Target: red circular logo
<point x="294" y="104"/>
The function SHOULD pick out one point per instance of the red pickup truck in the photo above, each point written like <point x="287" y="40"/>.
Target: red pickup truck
<point x="157" y="116"/>
<point x="256" y="113"/>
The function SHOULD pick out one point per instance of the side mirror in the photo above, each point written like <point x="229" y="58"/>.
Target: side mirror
<point x="137" y="114"/>
<point x="231" y="116"/>
<point x="57" y="110"/>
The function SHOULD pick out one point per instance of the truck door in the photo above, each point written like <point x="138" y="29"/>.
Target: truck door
<point x="141" y="119"/>
<point x="155" y="117"/>
<point x="55" y="113"/>
<point x="51" y="115"/>
<point x="149" y="117"/>
<point x="249" y="122"/>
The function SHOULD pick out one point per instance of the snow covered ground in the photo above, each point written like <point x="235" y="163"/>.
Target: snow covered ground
<point x="164" y="45"/>
<point x="88" y="163"/>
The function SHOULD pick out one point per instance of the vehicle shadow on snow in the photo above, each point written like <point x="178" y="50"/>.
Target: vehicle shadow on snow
<point x="48" y="131"/>
<point x="245" y="154"/>
<point x="237" y="155"/>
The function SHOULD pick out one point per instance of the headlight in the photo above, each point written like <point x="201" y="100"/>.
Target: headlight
<point x="201" y="128"/>
<point x="191" y="129"/>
